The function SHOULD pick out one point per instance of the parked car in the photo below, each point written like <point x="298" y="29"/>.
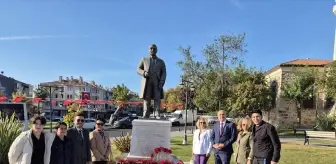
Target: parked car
<point x="125" y="122"/>
<point x="89" y="123"/>
<point x="57" y="119"/>
<point x="212" y="120"/>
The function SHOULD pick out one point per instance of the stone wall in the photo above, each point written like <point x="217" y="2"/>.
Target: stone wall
<point x="285" y="114"/>
<point x="284" y="118"/>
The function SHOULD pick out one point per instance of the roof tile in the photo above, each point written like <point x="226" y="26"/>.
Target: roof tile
<point x="301" y="62"/>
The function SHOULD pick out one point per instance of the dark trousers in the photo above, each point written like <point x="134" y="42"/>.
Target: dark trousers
<point x="200" y="159"/>
<point x="261" y="161"/>
<point x="221" y="158"/>
<point x="99" y="162"/>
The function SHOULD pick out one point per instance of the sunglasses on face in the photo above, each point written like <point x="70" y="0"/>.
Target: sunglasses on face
<point x="80" y="120"/>
<point x="99" y="124"/>
<point x="202" y="122"/>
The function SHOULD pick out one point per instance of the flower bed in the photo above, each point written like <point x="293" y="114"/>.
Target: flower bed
<point x="160" y="155"/>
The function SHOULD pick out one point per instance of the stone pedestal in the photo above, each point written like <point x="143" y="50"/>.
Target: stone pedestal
<point x="148" y="135"/>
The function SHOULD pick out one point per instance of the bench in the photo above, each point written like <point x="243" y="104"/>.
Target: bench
<point x="300" y="129"/>
<point x="319" y="135"/>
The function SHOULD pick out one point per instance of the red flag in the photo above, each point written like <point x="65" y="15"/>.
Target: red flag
<point x="3" y="99"/>
<point x="17" y="99"/>
<point x="82" y="102"/>
<point x="67" y="102"/>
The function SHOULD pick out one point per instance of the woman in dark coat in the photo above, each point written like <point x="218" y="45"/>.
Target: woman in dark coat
<point x="61" y="147"/>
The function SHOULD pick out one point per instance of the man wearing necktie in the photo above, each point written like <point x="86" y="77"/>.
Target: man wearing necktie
<point x="153" y="72"/>
<point x="80" y="141"/>
<point x="223" y="135"/>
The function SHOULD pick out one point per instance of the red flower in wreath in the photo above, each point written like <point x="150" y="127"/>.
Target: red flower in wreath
<point x="165" y="162"/>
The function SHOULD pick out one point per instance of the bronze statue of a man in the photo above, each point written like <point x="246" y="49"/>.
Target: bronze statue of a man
<point x="153" y="72"/>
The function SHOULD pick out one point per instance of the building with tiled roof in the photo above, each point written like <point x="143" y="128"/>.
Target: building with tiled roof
<point x="72" y="88"/>
<point x="285" y="114"/>
<point x="301" y="63"/>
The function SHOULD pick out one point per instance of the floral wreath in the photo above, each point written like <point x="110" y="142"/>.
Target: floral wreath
<point x="160" y="155"/>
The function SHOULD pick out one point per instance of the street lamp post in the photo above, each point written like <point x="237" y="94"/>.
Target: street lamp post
<point x="192" y="111"/>
<point x="50" y="89"/>
<point x="38" y="108"/>
<point x="185" y="83"/>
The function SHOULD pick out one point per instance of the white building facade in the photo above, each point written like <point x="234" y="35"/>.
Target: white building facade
<point x="71" y="89"/>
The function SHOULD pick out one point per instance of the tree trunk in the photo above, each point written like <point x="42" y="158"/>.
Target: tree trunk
<point x="298" y="108"/>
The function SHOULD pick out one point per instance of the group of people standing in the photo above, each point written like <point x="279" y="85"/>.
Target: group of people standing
<point x="68" y="146"/>
<point x="258" y="144"/>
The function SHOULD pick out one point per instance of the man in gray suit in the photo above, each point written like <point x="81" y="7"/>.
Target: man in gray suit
<point x="153" y="72"/>
<point x="80" y="141"/>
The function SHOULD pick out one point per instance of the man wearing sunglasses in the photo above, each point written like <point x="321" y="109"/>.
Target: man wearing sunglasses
<point x="80" y="141"/>
<point x="100" y="144"/>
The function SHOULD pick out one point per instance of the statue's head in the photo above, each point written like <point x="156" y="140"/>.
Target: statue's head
<point x="153" y="50"/>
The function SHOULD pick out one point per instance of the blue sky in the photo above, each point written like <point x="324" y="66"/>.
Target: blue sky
<point x="103" y="40"/>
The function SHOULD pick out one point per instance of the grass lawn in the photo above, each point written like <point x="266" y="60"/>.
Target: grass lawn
<point x="290" y="153"/>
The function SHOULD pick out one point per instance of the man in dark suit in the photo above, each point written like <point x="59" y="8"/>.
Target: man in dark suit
<point x="80" y="141"/>
<point x="223" y="135"/>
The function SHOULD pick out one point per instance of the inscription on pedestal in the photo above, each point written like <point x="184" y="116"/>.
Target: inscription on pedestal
<point x="148" y="135"/>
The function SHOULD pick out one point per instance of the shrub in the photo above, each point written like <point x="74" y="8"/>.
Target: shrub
<point x="123" y="143"/>
<point x="332" y="116"/>
<point x="10" y="128"/>
<point x="324" y="123"/>
<point x="72" y="110"/>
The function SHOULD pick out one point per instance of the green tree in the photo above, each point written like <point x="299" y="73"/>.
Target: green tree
<point x="72" y="109"/>
<point x="134" y="96"/>
<point x="121" y="93"/>
<point x="328" y="81"/>
<point x="172" y="96"/>
<point x="41" y="93"/>
<point x="211" y="77"/>
<point x="299" y="87"/>
<point x="206" y="95"/>
<point x="250" y="91"/>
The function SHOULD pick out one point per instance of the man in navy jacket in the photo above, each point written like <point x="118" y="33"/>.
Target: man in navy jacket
<point x="223" y="135"/>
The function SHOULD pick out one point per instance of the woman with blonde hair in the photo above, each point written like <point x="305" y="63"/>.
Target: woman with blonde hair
<point x="201" y="142"/>
<point x="244" y="153"/>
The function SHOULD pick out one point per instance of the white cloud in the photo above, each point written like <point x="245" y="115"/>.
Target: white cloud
<point x="30" y="37"/>
<point x="237" y="3"/>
